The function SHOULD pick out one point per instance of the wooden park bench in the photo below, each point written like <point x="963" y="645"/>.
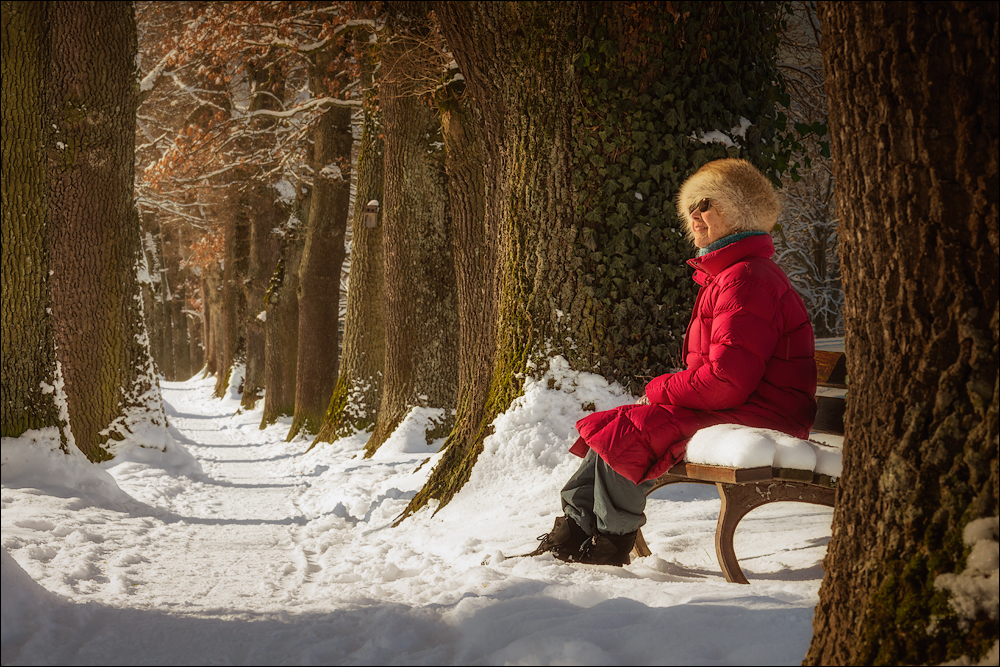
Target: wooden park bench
<point x="745" y="489"/>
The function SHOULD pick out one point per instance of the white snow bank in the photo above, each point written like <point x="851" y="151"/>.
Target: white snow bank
<point x="35" y="460"/>
<point x="739" y="446"/>
<point x="410" y="437"/>
<point x="28" y="610"/>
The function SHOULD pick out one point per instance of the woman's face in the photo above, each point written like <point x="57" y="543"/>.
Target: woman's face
<point x="708" y="226"/>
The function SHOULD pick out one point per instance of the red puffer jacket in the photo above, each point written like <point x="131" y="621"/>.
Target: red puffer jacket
<point x="749" y="353"/>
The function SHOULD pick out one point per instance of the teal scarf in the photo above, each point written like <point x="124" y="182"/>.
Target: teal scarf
<point x="727" y="240"/>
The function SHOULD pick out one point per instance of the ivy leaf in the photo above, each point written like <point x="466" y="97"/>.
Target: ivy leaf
<point x="655" y="170"/>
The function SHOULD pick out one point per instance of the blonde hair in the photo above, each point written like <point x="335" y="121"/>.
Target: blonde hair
<point x="742" y="195"/>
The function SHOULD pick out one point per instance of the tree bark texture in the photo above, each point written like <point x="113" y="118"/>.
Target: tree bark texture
<point x="180" y="347"/>
<point x="211" y="289"/>
<point x="150" y="287"/>
<point x="265" y="216"/>
<point x="28" y="349"/>
<point x="914" y="125"/>
<point x="357" y="394"/>
<point x="475" y="258"/>
<point x="100" y="337"/>
<point x="419" y="285"/>
<point x="322" y="260"/>
<point x="163" y="303"/>
<point x="281" y="343"/>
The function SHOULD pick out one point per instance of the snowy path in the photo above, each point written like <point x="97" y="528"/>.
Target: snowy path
<point x="272" y="556"/>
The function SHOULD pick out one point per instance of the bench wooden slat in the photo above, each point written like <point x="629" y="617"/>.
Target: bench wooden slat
<point x="707" y="473"/>
<point x="793" y="475"/>
<point x="829" y="415"/>
<point x="831" y="369"/>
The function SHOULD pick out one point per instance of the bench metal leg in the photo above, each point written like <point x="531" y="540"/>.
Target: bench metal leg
<point x="738" y="500"/>
<point x="641" y="549"/>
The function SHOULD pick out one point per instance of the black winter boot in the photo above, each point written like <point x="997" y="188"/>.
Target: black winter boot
<point x="565" y="540"/>
<point x="607" y="549"/>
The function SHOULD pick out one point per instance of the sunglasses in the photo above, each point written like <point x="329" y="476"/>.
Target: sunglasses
<point x="701" y="206"/>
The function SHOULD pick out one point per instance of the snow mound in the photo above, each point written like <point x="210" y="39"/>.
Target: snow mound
<point x="36" y="460"/>
<point x="410" y="437"/>
<point x="29" y="611"/>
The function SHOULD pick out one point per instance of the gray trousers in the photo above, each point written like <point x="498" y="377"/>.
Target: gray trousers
<point x="598" y="497"/>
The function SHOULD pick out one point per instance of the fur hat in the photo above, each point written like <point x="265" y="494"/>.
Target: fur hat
<point x="743" y="195"/>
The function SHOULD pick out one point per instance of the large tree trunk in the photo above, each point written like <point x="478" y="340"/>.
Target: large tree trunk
<point x="419" y="284"/>
<point x="475" y="257"/>
<point x="476" y="248"/>
<point x="358" y="390"/>
<point x="586" y="137"/>
<point x="99" y="332"/>
<point x="28" y="351"/>
<point x="526" y="119"/>
<point x="322" y="260"/>
<point x="914" y="125"/>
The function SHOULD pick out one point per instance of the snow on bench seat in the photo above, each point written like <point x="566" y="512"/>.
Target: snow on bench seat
<point x="736" y="446"/>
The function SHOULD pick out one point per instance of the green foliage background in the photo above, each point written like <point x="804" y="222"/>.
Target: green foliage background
<point x="653" y="77"/>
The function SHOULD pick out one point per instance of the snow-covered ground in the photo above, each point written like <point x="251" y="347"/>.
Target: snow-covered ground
<point x="262" y="554"/>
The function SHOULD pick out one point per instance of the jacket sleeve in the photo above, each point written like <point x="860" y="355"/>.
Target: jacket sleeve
<point x="746" y="324"/>
<point x="656" y="389"/>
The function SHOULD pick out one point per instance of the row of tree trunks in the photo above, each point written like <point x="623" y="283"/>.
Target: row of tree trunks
<point x="264" y="214"/>
<point x="914" y="127"/>
<point x="29" y="360"/>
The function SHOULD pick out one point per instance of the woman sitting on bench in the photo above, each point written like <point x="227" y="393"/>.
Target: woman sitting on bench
<point x="749" y="355"/>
